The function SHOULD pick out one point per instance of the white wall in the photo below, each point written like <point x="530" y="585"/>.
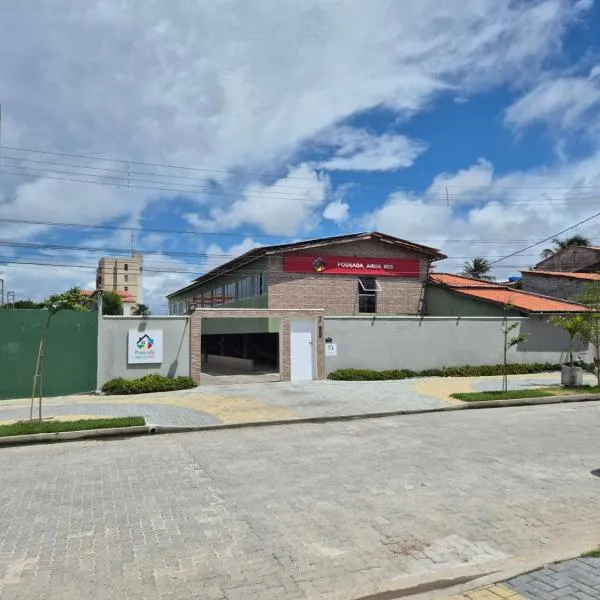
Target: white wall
<point x="435" y="342"/>
<point x="112" y="347"/>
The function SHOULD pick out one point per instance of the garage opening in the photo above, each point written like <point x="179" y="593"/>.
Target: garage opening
<point x="233" y="351"/>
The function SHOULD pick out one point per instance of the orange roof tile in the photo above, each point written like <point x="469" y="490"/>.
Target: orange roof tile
<point x="500" y="294"/>
<point x="523" y="300"/>
<point x="125" y="296"/>
<point x="570" y="275"/>
<point x="460" y="281"/>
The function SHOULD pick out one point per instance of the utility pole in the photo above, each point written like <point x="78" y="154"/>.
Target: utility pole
<point x="10" y="299"/>
<point x="1" y="292"/>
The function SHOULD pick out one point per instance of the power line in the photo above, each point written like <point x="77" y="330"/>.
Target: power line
<point x="123" y="182"/>
<point x="224" y="234"/>
<point x="442" y="185"/>
<point x="551" y="237"/>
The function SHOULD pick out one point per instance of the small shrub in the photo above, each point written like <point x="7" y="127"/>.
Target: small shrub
<point x="147" y="384"/>
<point x="460" y="371"/>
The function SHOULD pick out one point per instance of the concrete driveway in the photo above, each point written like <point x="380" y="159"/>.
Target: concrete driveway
<point x="259" y="402"/>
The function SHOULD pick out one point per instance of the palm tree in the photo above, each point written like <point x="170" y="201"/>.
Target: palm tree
<point x="478" y="268"/>
<point x="574" y="240"/>
<point x="141" y="310"/>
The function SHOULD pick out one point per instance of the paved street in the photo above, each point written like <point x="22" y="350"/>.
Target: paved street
<point x="333" y="511"/>
<point x="252" y="402"/>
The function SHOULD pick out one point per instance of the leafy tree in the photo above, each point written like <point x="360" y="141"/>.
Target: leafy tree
<point x="112" y="304"/>
<point x="575" y="325"/>
<point x="27" y="304"/>
<point x="478" y="268"/>
<point x="509" y="342"/>
<point x="141" y="310"/>
<point x="591" y="334"/>
<point x="72" y="299"/>
<point x="574" y="240"/>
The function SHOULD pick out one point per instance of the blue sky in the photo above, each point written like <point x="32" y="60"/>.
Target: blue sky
<point x="472" y="127"/>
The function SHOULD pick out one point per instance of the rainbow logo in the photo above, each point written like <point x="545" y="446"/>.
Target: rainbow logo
<point x="145" y="342"/>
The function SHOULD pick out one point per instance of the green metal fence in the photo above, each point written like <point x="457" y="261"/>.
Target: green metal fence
<point x="71" y="356"/>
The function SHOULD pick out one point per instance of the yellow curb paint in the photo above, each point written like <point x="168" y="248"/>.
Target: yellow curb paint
<point x="497" y="591"/>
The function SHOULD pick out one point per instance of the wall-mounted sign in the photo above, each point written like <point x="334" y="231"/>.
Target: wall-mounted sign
<point x="144" y="347"/>
<point x="330" y="349"/>
<point x="351" y="265"/>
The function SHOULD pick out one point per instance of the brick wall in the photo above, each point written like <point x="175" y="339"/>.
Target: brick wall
<point x="285" y="316"/>
<point x="337" y="294"/>
<point x="557" y="287"/>
<point x="573" y="258"/>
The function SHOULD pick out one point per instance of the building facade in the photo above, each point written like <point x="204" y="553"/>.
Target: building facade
<point x="123" y="275"/>
<point x="367" y="273"/>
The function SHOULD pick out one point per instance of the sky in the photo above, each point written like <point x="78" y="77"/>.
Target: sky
<point x="210" y="128"/>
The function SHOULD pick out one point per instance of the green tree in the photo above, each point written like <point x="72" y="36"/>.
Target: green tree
<point x="574" y="240"/>
<point x="509" y="342"/>
<point x="72" y="299"/>
<point x="591" y="334"/>
<point x="141" y="310"/>
<point x="575" y="325"/>
<point x="478" y="268"/>
<point x="112" y="304"/>
<point x="27" y="304"/>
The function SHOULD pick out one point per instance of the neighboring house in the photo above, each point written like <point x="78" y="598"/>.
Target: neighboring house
<point x="572" y="259"/>
<point x="564" y="285"/>
<point x="458" y="296"/>
<point x="364" y="273"/>
<point x="121" y="274"/>
<point x="129" y="302"/>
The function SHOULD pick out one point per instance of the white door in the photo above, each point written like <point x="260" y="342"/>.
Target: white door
<point x="301" y="349"/>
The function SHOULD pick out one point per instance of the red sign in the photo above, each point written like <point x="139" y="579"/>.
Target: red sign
<point x="351" y="265"/>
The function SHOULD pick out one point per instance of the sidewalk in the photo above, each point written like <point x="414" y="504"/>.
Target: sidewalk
<point x="576" y="579"/>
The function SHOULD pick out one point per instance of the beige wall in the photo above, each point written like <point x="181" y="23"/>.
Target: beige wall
<point x="121" y="273"/>
<point x="435" y="342"/>
<point x="337" y="294"/>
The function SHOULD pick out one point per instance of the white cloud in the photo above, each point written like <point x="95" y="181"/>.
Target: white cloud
<point x="287" y="207"/>
<point x="567" y="102"/>
<point x="337" y="211"/>
<point x="497" y="215"/>
<point x="242" y="86"/>
<point x="360" y="150"/>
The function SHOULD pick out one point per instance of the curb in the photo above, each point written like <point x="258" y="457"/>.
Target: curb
<point x="396" y="413"/>
<point x="70" y="436"/>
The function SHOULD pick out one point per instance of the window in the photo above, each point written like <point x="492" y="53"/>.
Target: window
<point x="126" y="288"/>
<point x="367" y="294"/>
<point x="126" y="267"/>
<point x="126" y="277"/>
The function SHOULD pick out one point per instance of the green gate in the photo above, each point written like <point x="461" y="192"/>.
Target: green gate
<point x="71" y="352"/>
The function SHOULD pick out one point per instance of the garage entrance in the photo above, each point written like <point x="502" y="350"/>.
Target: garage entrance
<point x="240" y="345"/>
<point x="240" y="354"/>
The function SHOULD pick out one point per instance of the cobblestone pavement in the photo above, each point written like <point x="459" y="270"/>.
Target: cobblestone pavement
<point x="241" y="402"/>
<point x="577" y="579"/>
<point x="571" y="580"/>
<point x="333" y="511"/>
<point x="253" y="402"/>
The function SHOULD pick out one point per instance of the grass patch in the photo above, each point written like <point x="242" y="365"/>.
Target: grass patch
<point x="509" y="395"/>
<point x="26" y="428"/>
<point x="591" y="554"/>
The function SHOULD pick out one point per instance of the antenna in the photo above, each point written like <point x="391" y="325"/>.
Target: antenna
<point x="132" y="243"/>
<point x="447" y="197"/>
